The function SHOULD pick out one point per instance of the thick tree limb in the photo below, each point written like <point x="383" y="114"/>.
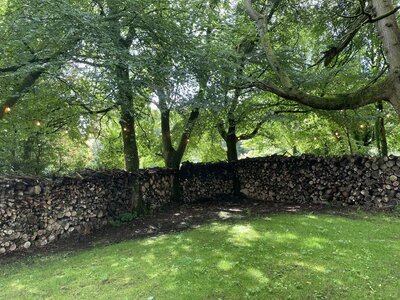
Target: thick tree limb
<point x="262" y="27"/>
<point x="191" y="122"/>
<point x="221" y="130"/>
<point x="27" y="82"/>
<point x="380" y="91"/>
<point x="373" y="20"/>
<point x="361" y="19"/>
<point x="249" y="136"/>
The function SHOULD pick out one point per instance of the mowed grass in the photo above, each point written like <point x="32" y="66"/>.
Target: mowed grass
<point x="284" y="256"/>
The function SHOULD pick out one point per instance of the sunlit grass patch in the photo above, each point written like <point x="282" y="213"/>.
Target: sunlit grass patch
<point x="278" y="257"/>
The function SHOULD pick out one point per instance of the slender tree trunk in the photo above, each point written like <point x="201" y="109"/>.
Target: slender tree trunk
<point x="131" y="156"/>
<point x="230" y="136"/>
<point x="232" y="155"/>
<point x="381" y="133"/>
<point x="168" y="150"/>
<point x="346" y="130"/>
<point x="122" y="39"/>
<point x="382" y="141"/>
<point x="231" y="145"/>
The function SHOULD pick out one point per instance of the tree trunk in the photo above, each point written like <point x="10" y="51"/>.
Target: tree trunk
<point x="131" y="155"/>
<point x="384" y="90"/>
<point x="381" y="138"/>
<point x="389" y="34"/>
<point x="346" y="130"/>
<point x="231" y="145"/>
<point x="167" y="148"/>
<point x="231" y="149"/>
<point x="127" y="121"/>
<point x="381" y="133"/>
<point x="173" y="157"/>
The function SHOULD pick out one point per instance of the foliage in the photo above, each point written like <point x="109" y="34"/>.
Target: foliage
<point x="123" y="219"/>
<point x="89" y="55"/>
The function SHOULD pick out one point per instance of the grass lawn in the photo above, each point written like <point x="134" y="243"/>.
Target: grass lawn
<point x="283" y="256"/>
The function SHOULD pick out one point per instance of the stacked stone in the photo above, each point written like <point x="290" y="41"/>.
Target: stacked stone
<point x="206" y="181"/>
<point x="39" y="211"/>
<point x="156" y="187"/>
<point x="345" y="180"/>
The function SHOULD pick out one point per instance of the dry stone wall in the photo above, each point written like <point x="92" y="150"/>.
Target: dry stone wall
<point x="344" y="180"/>
<point x="34" y="212"/>
<point x="347" y="180"/>
<point x="39" y="211"/>
<point x="156" y="187"/>
<point x="206" y="181"/>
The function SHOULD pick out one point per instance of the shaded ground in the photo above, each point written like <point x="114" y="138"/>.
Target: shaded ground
<point x="176" y="218"/>
<point x="301" y="255"/>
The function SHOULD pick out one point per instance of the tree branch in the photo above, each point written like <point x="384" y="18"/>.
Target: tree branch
<point x="380" y="91"/>
<point x="373" y="20"/>
<point x="28" y="81"/>
<point x="262" y="27"/>
<point x="194" y="115"/>
<point x="221" y="130"/>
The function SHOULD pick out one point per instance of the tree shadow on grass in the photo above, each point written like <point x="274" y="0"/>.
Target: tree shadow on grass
<point x="276" y="257"/>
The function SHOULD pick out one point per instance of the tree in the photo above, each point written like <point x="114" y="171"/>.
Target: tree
<point x="182" y="77"/>
<point x="381" y="13"/>
<point x="102" y="35"/>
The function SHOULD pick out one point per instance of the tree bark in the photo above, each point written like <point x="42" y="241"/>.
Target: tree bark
<point x="125" y="100"/>
<point x="389" y="34"/>
<point x="231" y="145"/>
<point x="173" y="157"/>
<point x="127" y="120"/>
<point x="125" y="97"/>
<point x="380" y="133"/>
<point x="346" y="130"/>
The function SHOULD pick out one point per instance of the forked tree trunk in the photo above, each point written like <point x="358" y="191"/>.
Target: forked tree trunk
<point x="173" y="157"/>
